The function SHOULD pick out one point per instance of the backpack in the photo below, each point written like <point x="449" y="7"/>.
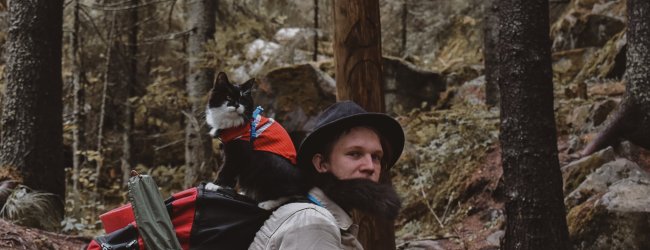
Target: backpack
<point x="201" y="219"/>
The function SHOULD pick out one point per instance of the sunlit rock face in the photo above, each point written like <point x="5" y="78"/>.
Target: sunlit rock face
<point x="611" y="208"/>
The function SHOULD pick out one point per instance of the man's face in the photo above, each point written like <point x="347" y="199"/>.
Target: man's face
<point x="356" y="154"/>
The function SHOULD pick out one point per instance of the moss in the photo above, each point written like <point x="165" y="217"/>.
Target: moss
<point x="586" y="221"/>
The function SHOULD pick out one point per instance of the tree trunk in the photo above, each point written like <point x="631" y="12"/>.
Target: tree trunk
<point x="632" y="119"/>
<point x="32" y="117"/>
<point x="405" y="14"/>
<point x="490" y="40"/>
<point x="357" y="52"/>
<point x="104" y="99"/>
<point x="315" y="57"/>
<point x="131" y="72"/>
<point x="535" y="212"/>
<point x="79" y="119"/>
<point x="198" y="144"/>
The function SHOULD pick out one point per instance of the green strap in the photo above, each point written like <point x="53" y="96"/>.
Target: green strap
<point x="152" y="219"/>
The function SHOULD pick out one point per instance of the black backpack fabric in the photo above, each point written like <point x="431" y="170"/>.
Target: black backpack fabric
<point x="202" y="219"/>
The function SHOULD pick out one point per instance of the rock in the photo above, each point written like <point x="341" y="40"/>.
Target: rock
<point x="423" y="245"/>
<point x="575" y="172"/>
<point x="594" y="226"/>
<point x="628" y="195"/>
<point x="602" y="110"/>
<point x="407" y="87"/>
<point x="471" y="92"/>
<point x="294" y="96"/>
<point x="600" y="180"/>
<point x="495" y="238"/>
<point x="581" y="29"/>
<point x="616" y="213"/>
<point x="579" y="117"/>
<point x="635" y="153"/>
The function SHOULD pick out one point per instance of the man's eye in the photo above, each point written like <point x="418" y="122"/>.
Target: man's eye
<point x="376" y="157"/>
<point x="354" y="154"/>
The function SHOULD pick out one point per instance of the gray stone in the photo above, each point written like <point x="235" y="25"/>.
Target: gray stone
<point x="407" y="87"/>
<point x="495" y="238"/>
<point x="574" y="173"/>
<point x="600" y="180"/>
<point x="629" y="195"/>
<point x="602" y="110"/>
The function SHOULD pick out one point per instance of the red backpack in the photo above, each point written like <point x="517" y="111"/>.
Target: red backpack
<point x="201" y="219"/>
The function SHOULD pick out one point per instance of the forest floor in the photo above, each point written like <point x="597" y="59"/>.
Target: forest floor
<point x="18" y="237"/>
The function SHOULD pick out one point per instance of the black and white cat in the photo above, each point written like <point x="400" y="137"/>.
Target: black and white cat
<point x="264" y="167"/>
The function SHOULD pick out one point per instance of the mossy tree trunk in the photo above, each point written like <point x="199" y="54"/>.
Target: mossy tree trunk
<point x="535" y="212"/>
<point x="198" y="145"/>
<point x="357" y="52"/>
<point x="632" y="120"/>
<point x="32" y="116"/>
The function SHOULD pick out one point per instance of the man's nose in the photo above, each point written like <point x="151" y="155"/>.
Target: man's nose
<point x="367" y="163"/>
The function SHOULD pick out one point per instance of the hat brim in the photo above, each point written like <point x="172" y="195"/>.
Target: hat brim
<point x="388" y="127"/>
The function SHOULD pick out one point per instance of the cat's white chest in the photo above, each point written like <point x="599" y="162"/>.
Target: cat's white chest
<point x="224" y="117"/>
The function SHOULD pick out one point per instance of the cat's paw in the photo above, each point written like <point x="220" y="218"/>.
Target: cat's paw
<point x="213" y="133"/>
<point x="272" y="204"/>
<point x="212" y="187"/>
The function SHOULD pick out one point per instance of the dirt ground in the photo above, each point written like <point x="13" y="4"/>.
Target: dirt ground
<point x="18" y="237"/>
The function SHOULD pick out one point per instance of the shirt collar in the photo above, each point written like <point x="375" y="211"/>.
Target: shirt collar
<point x="343" y="220"/>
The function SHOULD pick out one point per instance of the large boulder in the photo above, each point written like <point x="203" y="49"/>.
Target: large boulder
<point x="294" y="96"/>
<point x="574" y="173"/>
<point x="407" y="87"/>
<point x="612" y="208"/>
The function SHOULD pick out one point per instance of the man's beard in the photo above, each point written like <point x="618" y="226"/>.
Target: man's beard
<point x="379" y="199"/>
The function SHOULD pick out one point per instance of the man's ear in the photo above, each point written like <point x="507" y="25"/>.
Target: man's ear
<point x="319" y="164"/>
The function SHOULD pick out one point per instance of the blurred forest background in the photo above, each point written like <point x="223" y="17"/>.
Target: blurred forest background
<point x="133" y="95"/>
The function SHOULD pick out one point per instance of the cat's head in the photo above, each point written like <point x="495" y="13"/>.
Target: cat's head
<point x="229" y="105"/>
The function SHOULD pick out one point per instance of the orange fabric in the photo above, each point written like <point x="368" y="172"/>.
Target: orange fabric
<point x="272" y="139"/>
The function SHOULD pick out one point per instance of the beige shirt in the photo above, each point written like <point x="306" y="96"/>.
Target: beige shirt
<point x="303" y="225"/>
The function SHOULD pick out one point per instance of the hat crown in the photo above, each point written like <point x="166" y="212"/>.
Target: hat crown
<point x="338" y="111"/>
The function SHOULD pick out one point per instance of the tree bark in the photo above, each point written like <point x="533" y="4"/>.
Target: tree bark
<point x="315" y="56"/>
<point x="490" y="40"/>
<point x="79" y="119"/>
<point x="405" y="13"/>
<point x="632" y="119"/>
<point x="357" y="53"/>
<point x="32" y="117"/>
<point x="131" y="72"/>
<point x="198" y="144"/>
<point x="535" y="212"/>
<point x="104" y="97"/>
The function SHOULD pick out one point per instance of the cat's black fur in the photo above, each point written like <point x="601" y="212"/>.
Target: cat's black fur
<point x="263" y="175"/>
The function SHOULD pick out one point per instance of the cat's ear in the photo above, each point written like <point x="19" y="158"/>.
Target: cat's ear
<point x="247" y="86"/>
<point x="220" y="79"/>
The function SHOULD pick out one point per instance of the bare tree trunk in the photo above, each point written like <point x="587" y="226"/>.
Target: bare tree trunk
<point x="357" y="52"/>
<point x="198" y="144"/>
<point x="102" y="109"/>
<point x="632" y="120"/>
<point x="535" y="212"/>
<point x="78" y="132"/>
<point x="490" y="40"/>
<point x="32" y="116"/>
<point x="132" y="72"/>
<point x="315" y="57"/>
<point x="405" y="13"/>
